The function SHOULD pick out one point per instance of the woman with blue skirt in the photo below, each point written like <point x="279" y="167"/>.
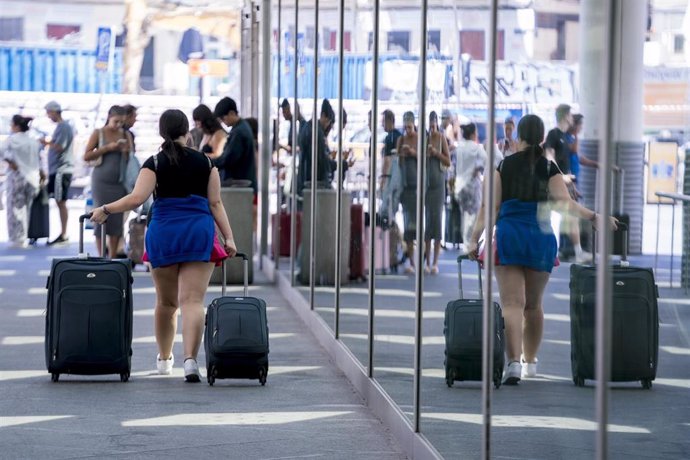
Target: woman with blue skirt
<point x="181" y="244"/>
<point x="527" y="187"/>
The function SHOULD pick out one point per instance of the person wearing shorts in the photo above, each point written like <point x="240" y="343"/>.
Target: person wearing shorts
<point x="60" y="165"/>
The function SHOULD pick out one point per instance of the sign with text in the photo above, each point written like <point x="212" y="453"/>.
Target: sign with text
<point x="104" y="48"/>
<point x="662" y="170"/>
<point x="208" y="67"/>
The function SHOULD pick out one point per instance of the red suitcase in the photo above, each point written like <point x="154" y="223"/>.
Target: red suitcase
<point x="285" y="232"/>
<point x="357" y="243"/>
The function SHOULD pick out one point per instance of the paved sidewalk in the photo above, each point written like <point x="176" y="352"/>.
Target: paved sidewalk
<point x="306" y="410"/>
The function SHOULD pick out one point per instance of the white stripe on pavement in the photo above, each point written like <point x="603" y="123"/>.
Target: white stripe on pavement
<point x="8" y="272"/>
<point x="31" y="312"/>
<point x="6" y="421"/>
<point x="246" y="418"/>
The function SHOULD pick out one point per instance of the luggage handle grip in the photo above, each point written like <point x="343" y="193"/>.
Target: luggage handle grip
<point x="82" y="221"/>
<point x="623" y="227"/>
<point x="223" y="269"/>
<point x="462" y="257"/>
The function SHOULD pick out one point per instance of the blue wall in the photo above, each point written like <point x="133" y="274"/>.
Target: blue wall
<point x="57" y="70"/>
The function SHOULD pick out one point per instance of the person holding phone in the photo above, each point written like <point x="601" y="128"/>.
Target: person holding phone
<point x="106" y="149"/>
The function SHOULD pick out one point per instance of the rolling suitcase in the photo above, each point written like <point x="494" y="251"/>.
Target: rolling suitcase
<point x="236" y="335"/>
<point x="39" y="216"/>
<point x="136" y="238"/>
<point x="634" y="322"/>
<point x="357" y="242"/>
<point x="89" y="315"/>
<point x="462" y="328"/>
<point x="284" y="234"/>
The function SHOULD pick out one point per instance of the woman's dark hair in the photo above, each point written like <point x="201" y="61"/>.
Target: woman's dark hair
<point x="209" y="122"/>
<point x="172" y="125"/>
<point x="433" y="119"/>
<point x="468" y="130"/>
<point x="531" y="131"/>
<point x="254" y="125"/>
<point x="21" y="122"/>
<point x="115" y="111"/>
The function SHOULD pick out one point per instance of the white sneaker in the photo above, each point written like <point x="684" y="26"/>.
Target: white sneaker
<point x="513" y="372"/>
<point x="191" y="371"/>
<point x="165" y="366"/>
<point x="584" y="258"/>
<point x="529" y="370"/>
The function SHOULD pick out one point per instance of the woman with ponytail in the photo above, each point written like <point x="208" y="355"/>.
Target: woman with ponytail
<point x="527" y="186"/>
<point x="181" y="244"/>
<point x="20" y="152"/>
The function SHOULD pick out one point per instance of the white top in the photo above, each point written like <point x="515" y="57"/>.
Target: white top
<point x="23" y="150"/>
<point x="470" y="156"/>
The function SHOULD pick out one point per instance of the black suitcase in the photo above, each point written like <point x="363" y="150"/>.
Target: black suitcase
<point x="634" y="323"/>
<point x="39" y="216"/>
<point x="462" y="327"/>
<point x="89" y="315"/>
<point x="453" y="228"/>
<point x="236" y="335"/>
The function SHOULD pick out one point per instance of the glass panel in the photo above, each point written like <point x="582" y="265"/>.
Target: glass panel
<point x="397" y="156"/>
<point x="354" y="300"/>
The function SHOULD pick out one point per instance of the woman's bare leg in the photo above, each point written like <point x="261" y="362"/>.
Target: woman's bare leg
<point x="511" y="286"/>
<point x="535" y="284"/>
<point x="165" y="314"/>
<point x="194" y="278"/>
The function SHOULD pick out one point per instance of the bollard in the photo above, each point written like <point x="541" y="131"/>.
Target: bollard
<point x="238" y="205"/>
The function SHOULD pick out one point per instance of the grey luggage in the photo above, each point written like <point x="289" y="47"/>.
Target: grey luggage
<point x="462" y="327"/>
<point x="236" y="335"/>
<point x="89" y="315"/>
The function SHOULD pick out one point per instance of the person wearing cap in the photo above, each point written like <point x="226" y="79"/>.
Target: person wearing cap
<point x="237" y="161"/>
<point x="60" y="165"/>
<point x="323" y="165"/>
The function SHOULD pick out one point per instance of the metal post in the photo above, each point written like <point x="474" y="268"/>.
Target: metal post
<point x="275" y="240"/>
<point x="314" y="160"/>
<point x="339" y="192"/>
<point x="265" y="124"/>
<point x="656" y="252"/>
<point x="372" y="181"/>
<point x="673" y="238"/>
<point x="421" y="192"/>
<point x="610" y="28"/>
<point x="489" y="220"/>
<point x="293" y="184"/>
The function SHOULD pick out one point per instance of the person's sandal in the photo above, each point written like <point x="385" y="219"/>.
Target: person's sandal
<point x="434" y="270"/>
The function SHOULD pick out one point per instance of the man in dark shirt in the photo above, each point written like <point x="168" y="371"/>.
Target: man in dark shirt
<point x="556" y="146"/>
<point x="288" y="116"/>
<point x="237" y="162"/>
<point x="323" y="165"/>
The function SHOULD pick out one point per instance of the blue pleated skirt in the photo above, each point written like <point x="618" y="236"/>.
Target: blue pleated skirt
<point x="524" y="237"/>
<point x="181" y="230"/>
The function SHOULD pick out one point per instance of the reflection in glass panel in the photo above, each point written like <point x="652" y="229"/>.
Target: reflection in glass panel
<point x="354" y="299"/>
<point x="397" y="182"/>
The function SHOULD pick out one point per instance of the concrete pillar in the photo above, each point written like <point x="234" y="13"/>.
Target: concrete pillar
<point x="627" y="107"/>
<point x="325" y="238"/>
<point x="238" y="205"/>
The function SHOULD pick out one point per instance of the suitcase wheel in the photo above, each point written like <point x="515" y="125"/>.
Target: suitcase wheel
<point x="262" y="376"/>
<point x="497" y="380"/>
<point x="124" y="376"/>
<point x="211" y="376"/>
<point x="450" y="378"/>
<point x="579" y="381"/>
<point x="646" y="384"/>
<point x="54" y="376"/>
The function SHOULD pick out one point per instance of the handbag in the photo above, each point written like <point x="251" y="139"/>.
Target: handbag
<point x="131" y="172"/>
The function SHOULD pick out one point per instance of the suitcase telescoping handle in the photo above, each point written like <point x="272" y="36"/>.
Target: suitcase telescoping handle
<point x="245" y="264"/>
<point x="622" y="227"/>
<point x="82" y="221"/>
<point x="462" y="257"/>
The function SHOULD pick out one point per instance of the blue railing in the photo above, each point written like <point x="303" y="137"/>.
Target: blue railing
<point x="55" y="69"/>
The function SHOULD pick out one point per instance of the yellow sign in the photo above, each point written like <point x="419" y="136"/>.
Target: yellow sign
<point x="208" y="68"/>
<point x="662" y="170"/>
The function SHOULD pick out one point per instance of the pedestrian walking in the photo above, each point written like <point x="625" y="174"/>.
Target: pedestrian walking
<point x="237" y="162"/>
<point x="508" y="145"/>
<point x="527" y="184"/>
<point x="407" y="157"/>
<point x="323" y="163"/>
<point x="21" y="153"/>
<point x="108" y="149"/>
<point x="438" y="161"/>
<point x="181" y="244"/>
<point x="471" y="158"/>
<point x="60" y="165"/>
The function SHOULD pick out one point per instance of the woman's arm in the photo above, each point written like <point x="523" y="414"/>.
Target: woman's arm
<point x="217" y="143"/>
<point x="479" y="223"/>
<point x="146" y="183"/>
<point x="92" y="151"/>
<point x="218" y="211"/>
<point x="559" y="194"/>
<point x="444" y="155"/>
